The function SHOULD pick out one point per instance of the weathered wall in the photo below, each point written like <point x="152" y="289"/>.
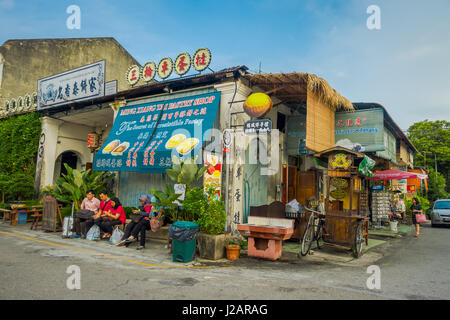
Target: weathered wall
<point x="27" y="61"/>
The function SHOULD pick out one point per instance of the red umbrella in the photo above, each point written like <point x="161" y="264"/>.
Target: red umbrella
<point x="396" y="175"/>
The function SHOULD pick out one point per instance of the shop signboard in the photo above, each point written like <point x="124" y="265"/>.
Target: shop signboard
<point x="399" y="185"/>
<point x="146" y="136"/>
<point x="87" y="82"/>
<point x="213" y="176"/>
<point x="296" y="130"/>
<point x="258" y="126"/>
<point x="360" y="130"/>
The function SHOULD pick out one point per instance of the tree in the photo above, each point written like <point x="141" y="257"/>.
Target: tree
<point x="432" y="139"/>
<point x="436" y="186"/>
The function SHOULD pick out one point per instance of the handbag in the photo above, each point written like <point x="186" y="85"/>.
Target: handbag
<point x="155" y="223"/>
<point x="420" y="218"/>
<point x="136" y="218"/>
<point x="116" y="236"/>
<point x="93" y="233"/>
<point x="84" y="214"/>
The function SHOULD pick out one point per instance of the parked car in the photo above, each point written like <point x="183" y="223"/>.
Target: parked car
<point x="440" y="214"/>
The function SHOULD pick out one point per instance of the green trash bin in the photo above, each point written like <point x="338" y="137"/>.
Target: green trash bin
<point x="184" y="251"/>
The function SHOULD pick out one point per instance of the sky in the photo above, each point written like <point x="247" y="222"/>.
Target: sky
<point x="404" y="65"/>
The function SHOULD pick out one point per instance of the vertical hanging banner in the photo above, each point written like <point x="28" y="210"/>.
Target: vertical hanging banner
<point x="213" y="176"/>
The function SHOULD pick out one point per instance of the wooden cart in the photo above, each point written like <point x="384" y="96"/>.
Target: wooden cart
<point x="344" y="223"/>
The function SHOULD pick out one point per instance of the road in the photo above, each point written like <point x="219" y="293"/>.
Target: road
<point x="34" y="265"/>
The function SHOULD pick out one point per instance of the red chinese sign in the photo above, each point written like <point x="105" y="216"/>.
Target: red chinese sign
<point x="149" y="71"/>
<point x="165" y="68"/>
<point x="133" y="75"/>
<point x="182" y="63"/>
<point x="202" y="59"/>
<point x="351" y="122"/>
<point x="92" y="140"/>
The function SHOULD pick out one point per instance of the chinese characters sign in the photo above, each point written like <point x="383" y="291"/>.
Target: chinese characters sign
<point x="360" y="130"/>
<point x="181" y="65"/>
<point x="258" y="126"/>
<point x="79" y="84"/>
<point x="144" y="137"/>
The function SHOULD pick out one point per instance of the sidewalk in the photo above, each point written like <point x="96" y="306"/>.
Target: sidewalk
<point x="385" y="232"/>
<point x="156" y="253"/>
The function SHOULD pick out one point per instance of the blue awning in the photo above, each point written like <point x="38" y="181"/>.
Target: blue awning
<point x="144" y="137"/>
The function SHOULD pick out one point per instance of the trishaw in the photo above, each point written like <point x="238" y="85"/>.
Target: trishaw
<point x="345" y="222"/>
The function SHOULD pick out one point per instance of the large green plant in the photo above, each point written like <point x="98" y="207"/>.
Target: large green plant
<point x="166" y="200"/>
<point x="212" y="218"/>
<point x="72" y="187"/>
<point x="186" y="171"/>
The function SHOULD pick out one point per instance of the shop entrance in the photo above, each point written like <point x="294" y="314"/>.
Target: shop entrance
<point x="68" y="157"/>
<point x="255" y="184"/>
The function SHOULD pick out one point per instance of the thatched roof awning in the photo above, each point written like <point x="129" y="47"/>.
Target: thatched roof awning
<point x="293" y="88"/>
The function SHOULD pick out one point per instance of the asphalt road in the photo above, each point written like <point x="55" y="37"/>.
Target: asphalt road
<point x="33" y="266"/>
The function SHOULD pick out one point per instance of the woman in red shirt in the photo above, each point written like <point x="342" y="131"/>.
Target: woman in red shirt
<point x="115" y="216"/>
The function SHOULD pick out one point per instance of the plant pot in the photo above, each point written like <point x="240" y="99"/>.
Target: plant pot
<point x="233" y="251"/>
<point x="393" y="225"/>
<point x="211" y="247"/>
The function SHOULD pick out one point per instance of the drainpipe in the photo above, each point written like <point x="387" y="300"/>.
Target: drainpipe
<point x="227" y="174"/>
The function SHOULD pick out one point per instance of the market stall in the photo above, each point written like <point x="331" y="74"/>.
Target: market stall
<point x="388" y="205"/>
<point x="345" y="222"/>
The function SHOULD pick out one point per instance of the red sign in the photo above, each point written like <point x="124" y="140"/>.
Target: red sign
<point x="92" y="140"/>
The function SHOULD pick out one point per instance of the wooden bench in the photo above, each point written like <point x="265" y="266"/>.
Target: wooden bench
<point x="6" y="214"/>
<point x="36" y="213"/>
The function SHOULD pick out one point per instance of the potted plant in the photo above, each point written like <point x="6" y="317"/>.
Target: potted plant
<point x="211" y="220"/>
<point x="233" y="251"/>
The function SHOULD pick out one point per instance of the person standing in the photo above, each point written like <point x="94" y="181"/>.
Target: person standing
<point x="113" y="217"/>
<point x="416" y="208"/>
<point x="89" y="208"/>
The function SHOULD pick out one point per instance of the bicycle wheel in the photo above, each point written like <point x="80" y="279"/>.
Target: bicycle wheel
<point x="308" y="237"/>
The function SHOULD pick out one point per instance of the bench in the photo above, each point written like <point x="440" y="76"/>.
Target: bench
<point x="35" y="211"/>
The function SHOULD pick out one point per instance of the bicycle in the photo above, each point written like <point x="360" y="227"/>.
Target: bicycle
<point x="314" y="231"/>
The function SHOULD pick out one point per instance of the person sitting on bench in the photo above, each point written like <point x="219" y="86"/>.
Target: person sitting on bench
<point x="105" y="206"/>
<point x="139" y="223"/>
<point x="114" y="217"/>
<point x="89" y="208"/>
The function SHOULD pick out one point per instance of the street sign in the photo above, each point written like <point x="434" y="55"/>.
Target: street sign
<point x="258" y="126"/>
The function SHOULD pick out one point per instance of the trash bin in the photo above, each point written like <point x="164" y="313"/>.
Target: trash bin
<point x="184" y="234"/>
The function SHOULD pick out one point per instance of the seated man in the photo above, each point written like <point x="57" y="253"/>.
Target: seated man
<point x="105" y="206"/>
<point x="89" y="208"/>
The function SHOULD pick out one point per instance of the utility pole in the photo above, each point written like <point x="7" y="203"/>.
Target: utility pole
<point x="435" y="162"/>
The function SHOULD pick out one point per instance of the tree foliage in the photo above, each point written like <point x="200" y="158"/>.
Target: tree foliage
<point x="18" y="149"/>
<point x="432" y="139"/>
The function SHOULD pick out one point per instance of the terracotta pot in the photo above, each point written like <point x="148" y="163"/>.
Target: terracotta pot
<point x="233" y="251"/>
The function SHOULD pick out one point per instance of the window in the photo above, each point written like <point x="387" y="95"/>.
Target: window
<point x="442" y="205"/>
